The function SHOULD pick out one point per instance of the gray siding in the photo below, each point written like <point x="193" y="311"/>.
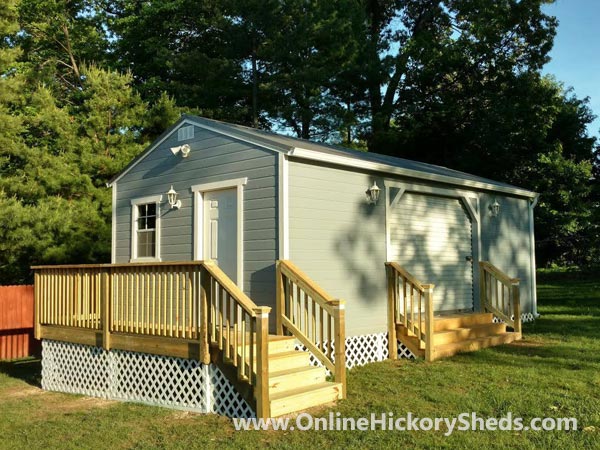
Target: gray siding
<point x="213" y="158"/>
<point x="339" y="240"/>
<point x="505" y="241"/>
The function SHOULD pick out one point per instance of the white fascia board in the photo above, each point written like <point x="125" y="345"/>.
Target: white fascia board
<point x="386" y="168"/>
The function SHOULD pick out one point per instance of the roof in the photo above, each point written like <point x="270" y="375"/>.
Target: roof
<point x="334" y="154"/>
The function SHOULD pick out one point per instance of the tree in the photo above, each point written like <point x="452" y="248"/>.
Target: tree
<point x="66" y="129"/>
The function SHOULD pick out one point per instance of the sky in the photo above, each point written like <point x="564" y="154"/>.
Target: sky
<point x="576" y="52"/>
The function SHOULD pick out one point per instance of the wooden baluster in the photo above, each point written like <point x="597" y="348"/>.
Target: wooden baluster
<point x="252" y="343"/>
<point x="321" y="329"/>
<point x="227" y="332"/>
<point x="420" y="305"/>
<point x="405" y="301"/>
<point x="242" y="352"/>
<point x="314" y="320"/>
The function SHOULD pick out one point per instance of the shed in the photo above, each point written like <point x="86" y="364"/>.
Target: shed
<point x="249" y="198"/>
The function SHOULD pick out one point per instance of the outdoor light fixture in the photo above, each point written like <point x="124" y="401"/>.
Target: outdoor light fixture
<point x="495" y="208"/>
<point x="183" y="149"/>
<point x="373" y="194"/>
<point x="172" y="198"/>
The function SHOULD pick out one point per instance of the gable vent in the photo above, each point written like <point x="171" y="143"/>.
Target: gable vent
<point x="185" y="133"/>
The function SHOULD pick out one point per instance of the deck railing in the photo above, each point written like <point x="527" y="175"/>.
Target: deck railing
<point x="500" y="295"/>
<point x="410" y="304"/>
<point x="174" y="309"/>
<point x="313" y="317"/>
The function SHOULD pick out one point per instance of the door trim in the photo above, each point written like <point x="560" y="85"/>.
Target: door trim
<point x="198" y="191"/>
<point x="470" y="201"/>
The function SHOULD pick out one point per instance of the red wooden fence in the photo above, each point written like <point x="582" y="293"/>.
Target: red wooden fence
<point x="16" y="322"/>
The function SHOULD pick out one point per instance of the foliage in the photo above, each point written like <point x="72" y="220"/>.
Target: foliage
<point x="68" y="129"/>
<point x="85" y="84"/>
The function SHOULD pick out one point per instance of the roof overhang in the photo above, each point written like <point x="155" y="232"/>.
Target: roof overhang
<point x="346" y="161"/>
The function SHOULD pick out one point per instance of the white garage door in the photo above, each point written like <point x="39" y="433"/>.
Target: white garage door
<point x="431" y="238"/>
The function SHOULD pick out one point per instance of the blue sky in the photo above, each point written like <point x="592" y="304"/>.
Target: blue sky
<point x="576" y="52"/>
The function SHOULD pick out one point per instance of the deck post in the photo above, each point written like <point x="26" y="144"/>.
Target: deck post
<point x="429" y="322"/>
<point x="205" y="294"/>
<point x="280" y="298"/>
<point x="516" y="298"/>
<point x="482" y="288"/>
<point x="392" y="297"/>
<point x="105" y="301"/>
<point x="339" y="327"/>
<point x="37" y="319"/>
<point x="263" y="406"/>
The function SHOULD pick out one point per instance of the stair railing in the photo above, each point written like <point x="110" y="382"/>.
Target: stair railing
<point x="410" y="304"/>
<point x="313" y="317"/>
<point x="500" y="295"/>
<point x="239" y="328"/>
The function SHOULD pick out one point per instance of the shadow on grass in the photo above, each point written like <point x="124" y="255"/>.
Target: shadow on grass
<point x="28" y="370"/>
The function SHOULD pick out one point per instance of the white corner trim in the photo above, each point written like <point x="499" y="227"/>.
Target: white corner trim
<point x="283" y="225"/>
<point x="390" y="202"/>
<point x="217" y="185"/>
<point x="389" y="169"/>
<point x="532" y="204"/>
<point x="113" y="244"/>
<point x="134" y="216"/>
<point x="198" y="191"/>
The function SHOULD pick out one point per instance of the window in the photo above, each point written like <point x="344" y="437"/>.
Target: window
<point x="145" y="229"/>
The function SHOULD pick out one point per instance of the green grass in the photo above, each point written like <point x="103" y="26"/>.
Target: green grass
<point x="553" y="372"/>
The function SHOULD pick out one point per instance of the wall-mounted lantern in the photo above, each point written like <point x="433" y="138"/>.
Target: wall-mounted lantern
<point x="495" y="208"/>
<point x="373" y="194"/>
<point x="172" y="198"/>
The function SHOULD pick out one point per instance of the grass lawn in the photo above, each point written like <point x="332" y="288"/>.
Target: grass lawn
<point x="553" y="372"/>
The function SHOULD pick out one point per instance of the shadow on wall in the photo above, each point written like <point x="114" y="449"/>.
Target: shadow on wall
<point x="359" y="247"/>
<point x="430" y="261"/>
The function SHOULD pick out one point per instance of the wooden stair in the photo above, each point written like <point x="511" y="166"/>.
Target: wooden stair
<point x="459" y="333"/>
<point x="294" y="383"/>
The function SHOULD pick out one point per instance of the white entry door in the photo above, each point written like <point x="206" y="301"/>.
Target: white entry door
<point x="431" y="238"/>
<point x="220" y="230"/>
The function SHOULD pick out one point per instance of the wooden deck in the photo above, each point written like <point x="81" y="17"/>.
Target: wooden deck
<point x="193" y="310"/>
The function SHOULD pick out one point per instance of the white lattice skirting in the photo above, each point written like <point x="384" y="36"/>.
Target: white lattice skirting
<point x="365" y="349"/>
<point x="139" y="377"/>
<point x="525" y="317"/>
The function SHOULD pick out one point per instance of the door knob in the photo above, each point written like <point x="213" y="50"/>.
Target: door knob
<point x="469" y="258"/>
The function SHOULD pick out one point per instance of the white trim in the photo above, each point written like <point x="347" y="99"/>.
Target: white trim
<point x="198" y="191"/>
<point x="389" y="169"/>
<point x="389" y="204"/>
<point x="532" y="205"/>
<point x="284" y="212"/>
<point x="113" y="243"/>
<point x="134" y="216"/>
<point x="464" y="197"/>
<point x="217" y="185"/>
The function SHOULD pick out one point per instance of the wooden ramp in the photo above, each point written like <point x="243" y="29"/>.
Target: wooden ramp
<point x="459" y="333"/>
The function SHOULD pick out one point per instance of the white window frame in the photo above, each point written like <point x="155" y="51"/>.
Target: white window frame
<point x="198" y="191"/>
<point x="134" y="228"/>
